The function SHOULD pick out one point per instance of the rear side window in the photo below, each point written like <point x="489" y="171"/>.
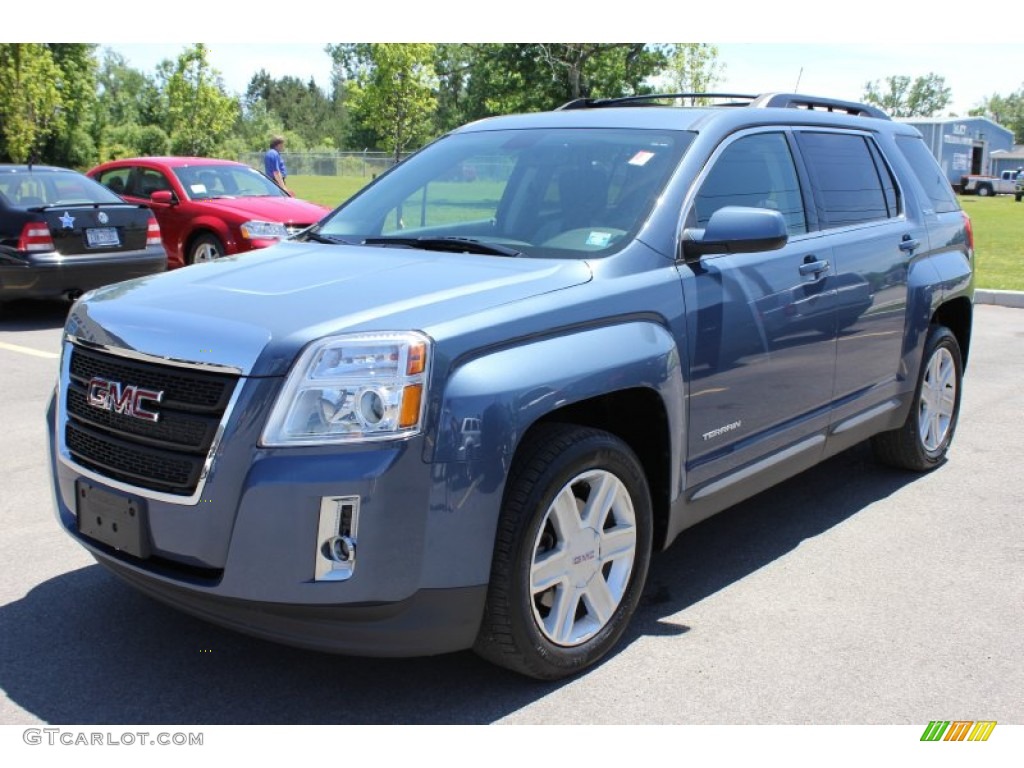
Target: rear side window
<point x="852" y="183"/>
<point x="936" y="185"/>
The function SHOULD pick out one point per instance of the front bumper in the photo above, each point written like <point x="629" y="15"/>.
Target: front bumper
<point x="430" y="622"/>
<point x="244" y="554"/>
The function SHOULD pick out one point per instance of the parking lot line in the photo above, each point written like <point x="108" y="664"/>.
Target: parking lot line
<point x="28" y="351"/>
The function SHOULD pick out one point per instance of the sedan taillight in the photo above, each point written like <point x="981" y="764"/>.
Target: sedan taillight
<point x="35" y="236"/>
<point x="153" y="232"/>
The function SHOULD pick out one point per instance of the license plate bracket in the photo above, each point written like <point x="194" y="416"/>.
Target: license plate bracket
<point x="112" y="519"/>
<point x="102" y="237"/>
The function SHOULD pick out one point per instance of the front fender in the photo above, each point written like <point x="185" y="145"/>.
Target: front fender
<point x="491" y="401"/>
<point x="213" y="225"/>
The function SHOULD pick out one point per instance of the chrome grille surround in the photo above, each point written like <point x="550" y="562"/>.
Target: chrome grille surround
<point x="65" y="419"/>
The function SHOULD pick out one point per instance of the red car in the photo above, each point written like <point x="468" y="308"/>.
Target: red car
<point x="208" y="208"/>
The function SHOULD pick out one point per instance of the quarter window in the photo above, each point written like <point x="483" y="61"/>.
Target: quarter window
<point x="928" y="172"/>
<point x="755" y="171"/>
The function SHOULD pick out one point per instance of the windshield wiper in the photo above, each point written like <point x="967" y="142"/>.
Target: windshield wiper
<point x="450" y="244"/>
<point x="325" y="239"/>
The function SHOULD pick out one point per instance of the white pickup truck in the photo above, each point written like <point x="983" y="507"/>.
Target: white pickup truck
<point x="985" y="186"/>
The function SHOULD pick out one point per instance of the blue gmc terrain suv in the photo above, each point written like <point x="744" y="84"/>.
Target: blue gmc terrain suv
<point x="464" y="409"/>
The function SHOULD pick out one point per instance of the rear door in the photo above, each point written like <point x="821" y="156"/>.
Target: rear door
<point x="860" y="207"/>
<point x="174" y="218"/>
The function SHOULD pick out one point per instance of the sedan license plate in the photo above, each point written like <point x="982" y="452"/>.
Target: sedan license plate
<point x="111" y="519"/>
<point x="102" y="237"/>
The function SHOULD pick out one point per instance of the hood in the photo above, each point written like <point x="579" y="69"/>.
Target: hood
<point x="255" y="311"/>
<point x="287" y="210"/>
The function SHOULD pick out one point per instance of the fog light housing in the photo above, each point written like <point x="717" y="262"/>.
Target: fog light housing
<point x="335" y="558"/>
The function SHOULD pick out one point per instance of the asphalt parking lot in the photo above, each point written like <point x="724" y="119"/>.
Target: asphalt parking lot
<point x="852" y="594"/>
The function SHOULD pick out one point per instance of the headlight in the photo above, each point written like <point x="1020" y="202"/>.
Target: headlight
<point x="347" y="389"/>
<point x="263" y="230"/>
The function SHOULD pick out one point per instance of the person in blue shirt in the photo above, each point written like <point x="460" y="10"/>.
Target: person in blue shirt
<point x="273" y="163"/>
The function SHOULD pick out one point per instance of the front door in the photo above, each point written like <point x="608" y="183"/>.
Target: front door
<point x="762" y="326"/>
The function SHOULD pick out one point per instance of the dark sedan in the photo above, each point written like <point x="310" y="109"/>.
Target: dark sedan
<point x="61" y="234"/>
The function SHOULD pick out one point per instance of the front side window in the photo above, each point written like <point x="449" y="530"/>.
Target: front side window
<point x="754" y="171"/>
<point x="538" y="192"/>
<point x="852" y="183"/>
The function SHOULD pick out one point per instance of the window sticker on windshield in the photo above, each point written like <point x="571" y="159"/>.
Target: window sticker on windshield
<point x="641" y="157"/>
<point x="197" y="189"/>
<point x="600" y="239"/>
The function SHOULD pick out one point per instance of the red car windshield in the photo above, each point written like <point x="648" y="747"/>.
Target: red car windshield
<point x="210" y="182"/>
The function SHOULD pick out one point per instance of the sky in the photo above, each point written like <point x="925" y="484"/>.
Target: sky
<point x="813" y="46"/>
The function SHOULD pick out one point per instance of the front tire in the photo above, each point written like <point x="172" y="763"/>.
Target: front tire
<point x="921" y="443"/>
<point x="571" y="555"/>
<point x="205" y="248"/>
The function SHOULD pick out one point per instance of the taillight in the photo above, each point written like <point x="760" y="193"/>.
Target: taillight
<point x="969" y="230"/>
<point x="153" y="232"/>
<point x="35" y="236"/>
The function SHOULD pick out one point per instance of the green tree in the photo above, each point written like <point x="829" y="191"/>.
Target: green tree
<point x="453" y="65"/>
<point x="1008" y="111"/>
<point x="901" y="96"/>
<point x="390" y="90"/>
<point x="125" y="95"/>
<point x="74" y="145"/>
<point x="526" y="77"/>
<point x="30" y="99"/>
<point x="692" y="68"/>
<point x="200" y="116"/>
<point x="302" y="107"/>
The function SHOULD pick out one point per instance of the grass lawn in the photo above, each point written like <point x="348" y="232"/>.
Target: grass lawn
<point x="998" y="240"/>
<point x="998" y="226"/>
<point x="327" y="190"/>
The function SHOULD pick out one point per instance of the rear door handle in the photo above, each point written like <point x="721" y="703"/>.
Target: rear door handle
<point x="909" y="244"/>
<point x="815" y="267"/>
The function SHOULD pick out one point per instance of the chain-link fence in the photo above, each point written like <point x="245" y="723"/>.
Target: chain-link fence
<point x="362" y="164"/>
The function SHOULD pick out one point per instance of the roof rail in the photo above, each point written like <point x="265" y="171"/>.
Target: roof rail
<point x="802" y="101"/>
<point x="741" y="100"/>
<point x="763" y="101"/>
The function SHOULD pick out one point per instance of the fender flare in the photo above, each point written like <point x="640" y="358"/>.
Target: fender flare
<point x="490" y="401"/>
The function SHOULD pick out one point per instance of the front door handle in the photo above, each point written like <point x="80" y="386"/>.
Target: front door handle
<point x="909" y="244"/>
<point x="815" y="267"/>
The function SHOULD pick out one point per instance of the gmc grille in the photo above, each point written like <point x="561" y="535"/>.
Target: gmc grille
<point x="167" y="455"/>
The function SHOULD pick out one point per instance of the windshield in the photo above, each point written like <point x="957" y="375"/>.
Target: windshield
<point x="208" y="182"/>
<point x="540" y="192"/>
<point x="28" y="189"/>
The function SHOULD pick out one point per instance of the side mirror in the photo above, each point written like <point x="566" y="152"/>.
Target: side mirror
<point x="164" y="197"/>
<point x="735" y="229"/>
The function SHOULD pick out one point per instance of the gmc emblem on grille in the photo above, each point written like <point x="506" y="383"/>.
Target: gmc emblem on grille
<point x="125" y="399"/>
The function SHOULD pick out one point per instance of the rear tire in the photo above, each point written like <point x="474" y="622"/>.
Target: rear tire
<point x="984" y="190"/>
<point x="921" y="443"/>
<point x="571" y="555"/>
